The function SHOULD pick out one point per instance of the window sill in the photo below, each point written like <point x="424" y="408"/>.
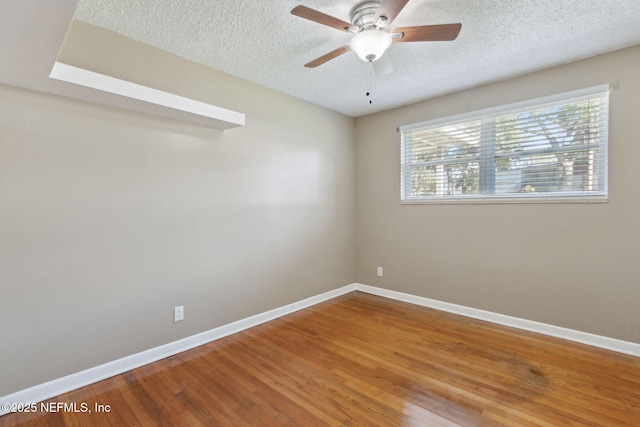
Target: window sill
<point x="506" y="200"/>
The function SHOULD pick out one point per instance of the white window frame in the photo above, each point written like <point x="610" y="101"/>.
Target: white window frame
<point x="486" y="195"/>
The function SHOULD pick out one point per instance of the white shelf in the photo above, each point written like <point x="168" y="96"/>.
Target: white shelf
<point x="165" y="104"/>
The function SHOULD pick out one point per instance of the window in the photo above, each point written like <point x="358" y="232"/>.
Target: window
<point x="551" y="149"/>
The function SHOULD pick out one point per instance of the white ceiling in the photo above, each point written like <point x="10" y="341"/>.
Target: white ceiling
<point x="262" y="42"/>
<point x="499" y="38"/>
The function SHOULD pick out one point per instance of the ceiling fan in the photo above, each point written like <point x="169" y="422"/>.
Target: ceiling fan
<point x="371" y="40"/>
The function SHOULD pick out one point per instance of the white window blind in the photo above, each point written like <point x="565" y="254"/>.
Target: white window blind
<point x="551" y="149"/>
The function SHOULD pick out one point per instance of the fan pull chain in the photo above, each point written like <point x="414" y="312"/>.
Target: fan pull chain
<point x="369" y="91"/>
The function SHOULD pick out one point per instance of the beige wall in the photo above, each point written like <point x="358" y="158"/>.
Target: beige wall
<point x="109" y="219"/>
<point x="574" y="266"/>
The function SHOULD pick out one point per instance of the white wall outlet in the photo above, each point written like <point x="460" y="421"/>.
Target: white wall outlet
<point x="178" y="313"/>
<point x="379" y="271"/>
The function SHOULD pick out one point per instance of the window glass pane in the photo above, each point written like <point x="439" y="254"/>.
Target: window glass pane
<point x="530" y="174"/>
<point x="561" y="172"/>
<point x="461" y="178"/>
<point x="423" y="181"/>
<point x="445" y="180"/>
<point x="449" y="142"/>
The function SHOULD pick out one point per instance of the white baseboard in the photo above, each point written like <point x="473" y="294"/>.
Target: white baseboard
<point x="600" y="341"/>
<point x="71" y="382"/>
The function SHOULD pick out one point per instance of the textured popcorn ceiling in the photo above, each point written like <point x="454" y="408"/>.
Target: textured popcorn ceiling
<point x="262" y="42"/>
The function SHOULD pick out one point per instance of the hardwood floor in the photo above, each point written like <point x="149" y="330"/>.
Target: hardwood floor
<point x="362" y="360"/>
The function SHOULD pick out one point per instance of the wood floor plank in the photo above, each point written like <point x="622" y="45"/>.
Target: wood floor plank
<point x="359" y="360"/>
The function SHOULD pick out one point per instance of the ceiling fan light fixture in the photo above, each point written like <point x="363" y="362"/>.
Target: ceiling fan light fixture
<point x="371" y="44"/>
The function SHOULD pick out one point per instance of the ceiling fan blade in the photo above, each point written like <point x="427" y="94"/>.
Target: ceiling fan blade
<point x="388" y="10"/>
<point x="427" y="33"/>
<point x="383" y="66"/>
<point x="324" y="19"/>
<point x="328" y="57"/>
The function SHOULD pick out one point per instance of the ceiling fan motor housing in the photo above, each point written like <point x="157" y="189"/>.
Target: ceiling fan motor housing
<point x="363" y="14"/>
